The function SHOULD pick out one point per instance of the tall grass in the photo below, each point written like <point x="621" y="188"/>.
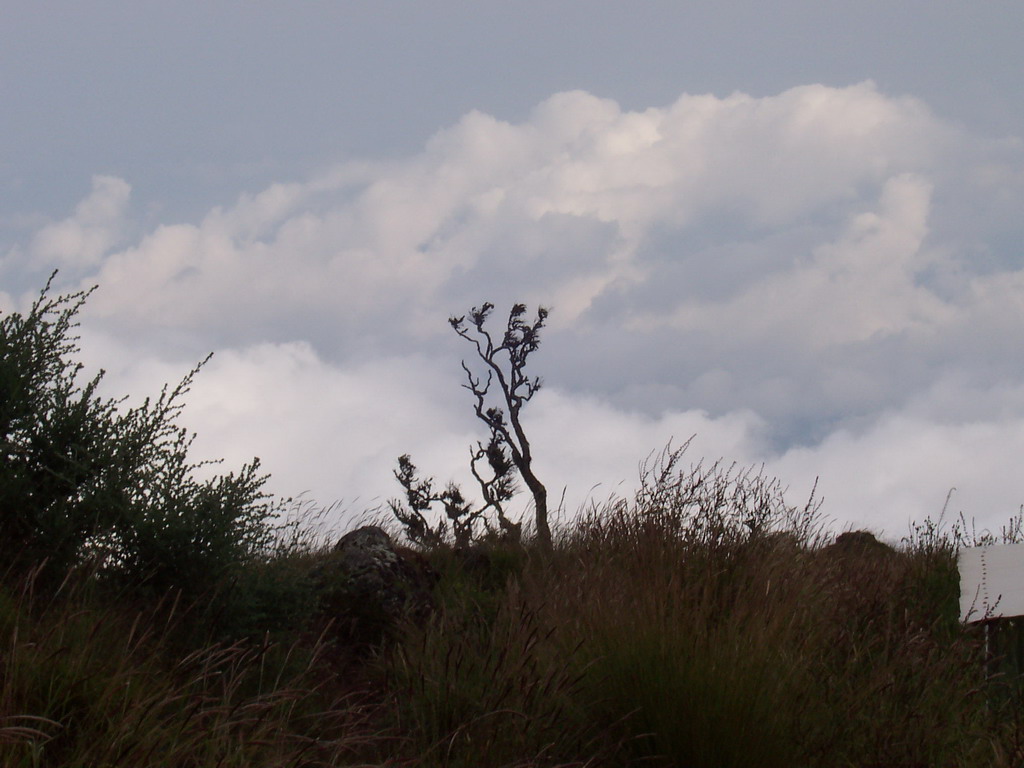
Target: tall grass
<point x="708" y="624"/>
<point x="723" y="632"/>
<point x="704" y="624"/>
<point x="471" y="690"/>
<point x="89" y="686"/>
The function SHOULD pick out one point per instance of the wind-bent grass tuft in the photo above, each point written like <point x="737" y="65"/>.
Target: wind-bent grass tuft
<point x="719" y="630"/>
<point x="88" y="687"/>
<point x="472" y="690"/>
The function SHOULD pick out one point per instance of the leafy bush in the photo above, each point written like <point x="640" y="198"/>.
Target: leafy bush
<point x="86" y="479"/>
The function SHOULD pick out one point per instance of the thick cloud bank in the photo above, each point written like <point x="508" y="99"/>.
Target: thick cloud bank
<point x="827" y="281"/>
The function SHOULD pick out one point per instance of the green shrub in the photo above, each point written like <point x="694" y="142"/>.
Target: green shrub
<point x="84" y="478"/>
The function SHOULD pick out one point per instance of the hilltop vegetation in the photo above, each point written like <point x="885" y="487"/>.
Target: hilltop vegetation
<point x="151" y="619"/>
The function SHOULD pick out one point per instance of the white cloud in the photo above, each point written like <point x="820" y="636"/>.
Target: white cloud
<point x="902" y="468"/>
<point x="98" y="224"/>
<point x="333" y="432"/>
<point x="860" y="287"/>
<point x="793" y="278"/>
<point x="594" y="450"/>
<point x="336" y="432"/>
<point x="774" y="158"/>
<point x="391" y="245"/>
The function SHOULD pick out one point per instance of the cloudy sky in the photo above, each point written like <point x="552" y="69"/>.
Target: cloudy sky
<point x="793" y="230"/>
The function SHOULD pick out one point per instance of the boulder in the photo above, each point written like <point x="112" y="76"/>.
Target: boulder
<point x="367" y="586"/>
<point x="859" y="544"/>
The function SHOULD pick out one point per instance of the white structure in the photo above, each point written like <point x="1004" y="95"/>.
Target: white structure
<point x="991" y="582"/>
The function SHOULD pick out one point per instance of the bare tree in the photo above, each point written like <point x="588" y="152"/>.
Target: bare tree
<point x="507" y="450"/>
<point x="505" y="365"/>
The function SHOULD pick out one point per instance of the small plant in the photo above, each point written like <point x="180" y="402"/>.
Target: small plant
<point x="506" y="451"/>
<point x="84" y="478"/>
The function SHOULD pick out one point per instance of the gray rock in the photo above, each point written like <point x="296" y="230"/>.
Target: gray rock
<point x="859" y="543"/>
<point x="367" y="586"/>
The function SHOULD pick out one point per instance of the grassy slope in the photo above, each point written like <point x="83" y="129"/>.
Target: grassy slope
<point x="682" y="630"/>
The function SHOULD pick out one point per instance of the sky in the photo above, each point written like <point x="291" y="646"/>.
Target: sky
<point x="792" y="232"/>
